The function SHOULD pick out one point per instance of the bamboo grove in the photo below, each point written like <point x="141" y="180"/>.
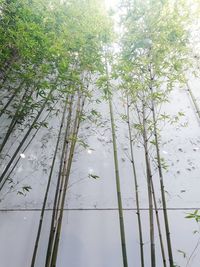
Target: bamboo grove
<point x="54" y="58"/>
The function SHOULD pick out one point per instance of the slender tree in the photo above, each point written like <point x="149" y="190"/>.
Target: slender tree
<point x="106" y="86"/>
<point x="135" y="182"/>
<point x="154" y="57"/>
<point x="48" y="187"/>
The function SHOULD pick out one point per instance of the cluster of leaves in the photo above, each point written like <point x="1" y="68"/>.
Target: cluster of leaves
<point x="195" y="215"/>
<point x="48" y="52"/>
<point x="155" y="37"/>
<point x="155" y="52"/>
<point x="50" y="44"/>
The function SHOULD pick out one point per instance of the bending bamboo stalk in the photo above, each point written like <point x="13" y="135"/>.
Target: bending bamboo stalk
<point x="14" y="166"/>
<point x="25" y="137"/>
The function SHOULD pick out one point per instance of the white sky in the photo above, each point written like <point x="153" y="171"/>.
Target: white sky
<point x="111" y="3"/>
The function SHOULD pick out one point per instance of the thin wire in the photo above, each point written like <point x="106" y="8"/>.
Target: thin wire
<point x="94" y="209"/>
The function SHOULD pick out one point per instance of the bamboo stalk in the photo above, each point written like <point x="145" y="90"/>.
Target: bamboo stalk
<point x="15" y="117"/>
<point x="136" y="186"/>
<point x="117" y="177"/>
<point x="25" y="137"/>
<point x="12" y="124"/>
<point x="162" y="187"/>
<point x="163" y="193"/>
<point x="159" y="226"/>
<point x="193" y="100"/>
<point x="64" y="162"/>
<point x="119" y="198"/>
<point x="67" y="170"/>
<point x="59" y="182"/>
<point x="47" y="189"/>
<point x="11" y="99"/>
<point x="149" y="178"/>
<point x="52" y="257"/>
<point x="6" y="73"/>
<point x="14" y="166"/>
<point x="157" y="219"/>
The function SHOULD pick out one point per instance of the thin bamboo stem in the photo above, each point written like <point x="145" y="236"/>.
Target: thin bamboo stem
<point x="119" y="198"/>
<point x="63" y="164"/>
<point x="193" y="100"/>
<point x="162" y="187"/>
<point x="136" y="186"/>
<point x="67" y="174"/>
<point x="13" y="123"/>
<point x="159" y="226"/>
<point x="59" y="181"/>
<point x="63" y="190"/>
<point x="25" y="137"/>
<point x="117" y="177"/>
<point x="149" y="178"/>
<point x="14" y="166"/>
<point x="47" y="189"/>
<point x="11" y="99"/>
<point x="15" y="117"/>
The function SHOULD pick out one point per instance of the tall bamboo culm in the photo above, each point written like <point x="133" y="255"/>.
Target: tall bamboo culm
<point x="56" y="231"/>
<point x="117" y="177"/>
<point x="149" y="178"/>
<point x="24" y="138"/>
<point x="136" y="185"/>
<point x="58" y="190"/>
<point x="47" y="188"/>
<point x="162" y="187"/>
<point x="25" y="148"/>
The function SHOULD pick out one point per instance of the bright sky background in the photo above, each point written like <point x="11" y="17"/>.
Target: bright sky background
<point x="111" y="3"/>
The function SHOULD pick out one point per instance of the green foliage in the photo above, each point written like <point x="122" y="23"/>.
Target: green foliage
<point x="53" y="36"/>
<point x="154" y="45"/>
<point x="195" y="215"/>
<point x="50" y="48"/>
<point x="164" y="165"/>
